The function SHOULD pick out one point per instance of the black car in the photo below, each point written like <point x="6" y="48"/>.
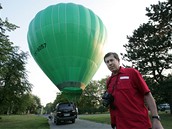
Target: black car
<point x="65" y="112"/>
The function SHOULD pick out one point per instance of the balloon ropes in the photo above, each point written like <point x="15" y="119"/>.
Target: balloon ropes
<point x="67" y="40"/>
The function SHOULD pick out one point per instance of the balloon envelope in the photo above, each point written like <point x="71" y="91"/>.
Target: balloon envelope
<point x="66" y="40"/>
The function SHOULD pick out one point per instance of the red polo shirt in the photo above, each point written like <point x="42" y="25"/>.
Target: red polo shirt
<point x="129" y="89"/>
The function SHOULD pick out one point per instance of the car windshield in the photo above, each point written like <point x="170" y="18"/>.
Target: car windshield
<point x="65" y="106"/>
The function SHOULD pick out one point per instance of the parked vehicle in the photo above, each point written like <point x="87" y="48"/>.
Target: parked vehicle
<point x="163" y="107"/>
<point x="65" y="112"/>
<point x="167" y="110"/>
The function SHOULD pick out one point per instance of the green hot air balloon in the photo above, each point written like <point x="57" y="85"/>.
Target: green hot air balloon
<point x="67" y="40"/>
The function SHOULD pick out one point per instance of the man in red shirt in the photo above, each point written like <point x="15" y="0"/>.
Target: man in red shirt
<point x="130" y="93"/>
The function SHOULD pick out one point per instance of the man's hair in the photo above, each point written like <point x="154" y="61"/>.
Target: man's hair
<point x="115" y="55"/>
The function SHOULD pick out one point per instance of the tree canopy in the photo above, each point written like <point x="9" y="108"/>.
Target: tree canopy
<point x="14" y="85"/>
<point x="150" y="47"/>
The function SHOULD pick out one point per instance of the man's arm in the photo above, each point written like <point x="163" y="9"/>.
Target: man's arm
<point x="150" y="101"/>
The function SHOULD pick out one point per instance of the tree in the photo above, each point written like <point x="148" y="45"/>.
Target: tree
<point x="49" y="108"/>
<point x="91" y="98"/>
<point x="27" y="103"/>
<point x="13" y="76"/>
<point x="149" y="48"/>
<point x="167" y="86"/>
<point x="90" y="101"/>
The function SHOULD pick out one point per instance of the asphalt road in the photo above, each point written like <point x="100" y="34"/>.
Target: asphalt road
<point x="79" y="124"/>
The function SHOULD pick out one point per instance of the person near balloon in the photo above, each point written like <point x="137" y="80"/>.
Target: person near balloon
<point x="126" y="96"/>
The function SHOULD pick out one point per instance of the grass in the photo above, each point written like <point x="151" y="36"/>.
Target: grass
<point x="23" y="122"/>
<point x="100" y="118"/>
<point x="166" y="119"/>
<point x="39" y="122"/>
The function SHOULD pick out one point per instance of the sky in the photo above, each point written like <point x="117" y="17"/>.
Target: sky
<point x="120" y="17"/>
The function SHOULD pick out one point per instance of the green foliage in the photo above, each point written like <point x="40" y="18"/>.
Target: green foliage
<point x="49" y="108"/>
<point x="149" y="48"/>
<point x="166" y="89"/>
<point x="90" y="100"/>
<point x="14" y="86"/>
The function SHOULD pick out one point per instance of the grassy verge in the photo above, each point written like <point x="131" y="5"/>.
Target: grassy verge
<point x="23" y="122"/>
<point x="38" y="122"/>
<point x="166" y="119"/>
<point x="100" y="118"/>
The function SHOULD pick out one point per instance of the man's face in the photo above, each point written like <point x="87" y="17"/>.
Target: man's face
<point x="112" y="63"/>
